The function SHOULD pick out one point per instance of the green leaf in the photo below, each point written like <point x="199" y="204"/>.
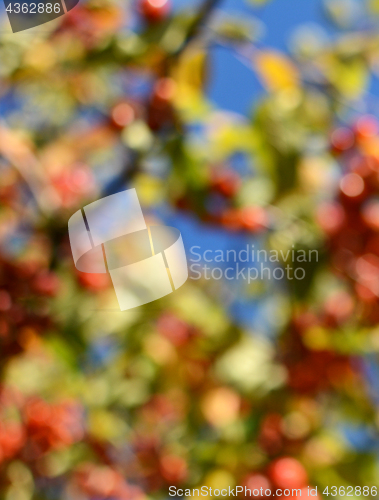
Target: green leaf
<point x="239" y="30"/>
<point x="257" y="2"/>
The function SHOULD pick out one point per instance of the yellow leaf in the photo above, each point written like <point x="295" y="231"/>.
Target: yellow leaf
<point x="191" y="69"/>
<point x="189" y="75"/>
<point x="374" y="6"/>
<point x="351" y="79"/>
<point x="276" y="70"/>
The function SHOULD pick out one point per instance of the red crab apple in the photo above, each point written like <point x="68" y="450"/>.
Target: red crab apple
<point x="173" y="468"/>
<point x="342" y="139"/>
<point x="160" y="109"/>
<point x="254" y="219"/>
<point x="227" y="182"/>
<point x="94" y="282"/>
<point x="367" y="126"/>
<point x="330" y="217"/>
<point x="257" y="482"/>
<point x="154" y="11"/>
<point x="122" y="115"/>
<point x="287" y="472"/>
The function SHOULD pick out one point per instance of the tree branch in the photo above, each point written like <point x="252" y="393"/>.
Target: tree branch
<point x="132" y="163"/>
<point x="200" y="20"/>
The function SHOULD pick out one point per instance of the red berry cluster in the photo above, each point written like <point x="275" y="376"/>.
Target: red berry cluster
<point x="24" y="292"/>
<point x="252" y="219"/>
<point x="158" y="112"/>
<point x="73" y="184"/>
<point x="217" y="206"/>
<point x="174" y="329"/>
<point x="50" y="426"/>
<point x="351" y="224"/>
<point x="94" y="282"/>
<point x="352" y="221"/>
<point x="91" y="26"/>
<point x="160" y="468"/>
<point x="285" y="473"/>
<point x="104" y="482"/>
<point x="36" y="426"/>
<point x="12" y="432"/>
<point x="309" y="370"/>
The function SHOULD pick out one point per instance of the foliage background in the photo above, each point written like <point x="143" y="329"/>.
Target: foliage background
<point x="234" y="136"/>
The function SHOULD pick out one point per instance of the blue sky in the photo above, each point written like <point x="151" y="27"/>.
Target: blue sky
<point x="233" y="86"/>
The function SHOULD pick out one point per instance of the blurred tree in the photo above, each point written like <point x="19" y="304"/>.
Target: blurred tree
<point x="120" y="406"/>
